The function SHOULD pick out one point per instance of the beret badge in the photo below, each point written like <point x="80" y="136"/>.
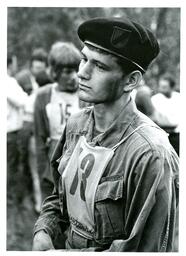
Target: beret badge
<point x="120" y="37"/>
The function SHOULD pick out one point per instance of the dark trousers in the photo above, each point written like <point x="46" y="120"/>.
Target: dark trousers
<point x="14" y="177"/>
<point x="26" y="134"/>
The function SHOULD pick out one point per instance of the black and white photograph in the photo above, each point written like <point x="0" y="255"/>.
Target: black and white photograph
<point x="93" y="120"/>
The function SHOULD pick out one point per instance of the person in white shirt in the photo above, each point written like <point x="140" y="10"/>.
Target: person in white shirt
<point x="16" y="100"/>
<point x="167" y="102"/>
<point x="27" y="79"/>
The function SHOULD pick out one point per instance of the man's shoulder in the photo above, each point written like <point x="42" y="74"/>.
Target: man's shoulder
<point x="44" y="90"/>
<point x="150" y="135"/>
<point x="11" y="81"/>
<point x="23" y="73"/>
<point x="153" y="139"/>
<point x="42" y="96"/>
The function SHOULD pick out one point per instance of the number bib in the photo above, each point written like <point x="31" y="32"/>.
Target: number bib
<point x="80" y="180"/>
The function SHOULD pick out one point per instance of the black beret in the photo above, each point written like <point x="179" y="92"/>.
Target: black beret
<point x="122" y="37"/>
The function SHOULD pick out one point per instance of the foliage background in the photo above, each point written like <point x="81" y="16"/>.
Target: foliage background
<point x="29" y="28"/>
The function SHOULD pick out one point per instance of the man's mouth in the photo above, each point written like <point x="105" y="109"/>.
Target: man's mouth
<point x="83" y="86"/>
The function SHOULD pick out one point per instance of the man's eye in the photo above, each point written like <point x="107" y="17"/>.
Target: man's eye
<point x="100" y="66"/>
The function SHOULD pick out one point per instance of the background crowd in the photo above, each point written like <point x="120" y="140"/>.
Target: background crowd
<point x="42" y="92"/>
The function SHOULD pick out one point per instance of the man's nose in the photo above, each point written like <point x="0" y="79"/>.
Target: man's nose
<point x="84" y="71"/>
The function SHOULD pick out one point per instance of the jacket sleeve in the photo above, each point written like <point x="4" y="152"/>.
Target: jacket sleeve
<point x="150" y="213"/>
<point x="51" y="219"/>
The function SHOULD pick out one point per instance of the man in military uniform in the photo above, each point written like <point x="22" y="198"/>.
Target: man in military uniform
<point x="116" y="175"/>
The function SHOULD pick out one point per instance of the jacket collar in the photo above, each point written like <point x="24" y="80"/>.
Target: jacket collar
<point x="116" y="131"/>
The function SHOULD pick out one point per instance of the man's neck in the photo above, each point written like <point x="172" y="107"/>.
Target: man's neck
<point x="106" y="113"/>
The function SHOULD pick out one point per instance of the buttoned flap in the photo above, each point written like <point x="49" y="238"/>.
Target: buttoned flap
<point x="110" y="187"/>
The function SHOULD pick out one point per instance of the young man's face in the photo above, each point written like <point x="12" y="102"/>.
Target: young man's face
<point x="37" y="67"/>
<point x="100" y="77"/>
<point x="164" y="87"/>
<point x="67" y="80"/>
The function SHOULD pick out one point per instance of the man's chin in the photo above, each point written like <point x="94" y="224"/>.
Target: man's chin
<point x="85" y="99"/>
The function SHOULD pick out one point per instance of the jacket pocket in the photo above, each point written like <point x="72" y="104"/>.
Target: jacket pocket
<point x="109" y="210"/>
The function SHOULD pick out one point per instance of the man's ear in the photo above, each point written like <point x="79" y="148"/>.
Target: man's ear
<point x="132" y="81"/>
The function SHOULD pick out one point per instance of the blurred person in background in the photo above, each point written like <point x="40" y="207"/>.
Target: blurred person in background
<point x="27" y="78"/>
<point x="54" y="103"/>
<point x="160" y="110"/>
<point x="167" y="102"/>
<point x="142" y="96"/>
<point x="37" y="66"/>
<point x="43" y="78"/>
<point x="16" y="100"/>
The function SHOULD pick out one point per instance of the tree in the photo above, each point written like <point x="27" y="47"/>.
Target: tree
<point x="29" y="28"/>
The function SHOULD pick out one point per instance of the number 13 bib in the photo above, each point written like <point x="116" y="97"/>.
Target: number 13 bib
<point x="80" y="180"/>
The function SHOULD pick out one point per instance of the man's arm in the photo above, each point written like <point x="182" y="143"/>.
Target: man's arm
<point x="51" y="223"/>
<point x="41" y="134"/>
